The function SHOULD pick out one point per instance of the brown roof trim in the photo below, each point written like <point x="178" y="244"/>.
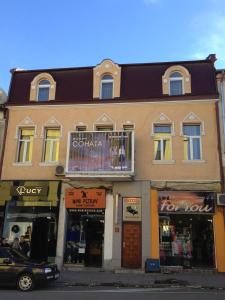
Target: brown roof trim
<point x="124" y="100"/>
<point x="122" y="65"/>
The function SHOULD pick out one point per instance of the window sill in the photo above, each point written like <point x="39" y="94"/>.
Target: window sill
<point x="163" y="162"/>
<point x="199" y="161"/>
<point x="48" y="164"/>
<point x="18" y="164"/>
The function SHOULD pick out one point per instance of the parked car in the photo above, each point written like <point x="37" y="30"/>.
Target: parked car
<point x="18" y="270"/>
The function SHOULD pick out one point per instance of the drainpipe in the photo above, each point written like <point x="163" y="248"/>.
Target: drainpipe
<point x="6" y="117"/>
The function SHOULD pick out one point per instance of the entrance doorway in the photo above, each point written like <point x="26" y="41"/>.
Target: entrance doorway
<point x="131" y="246"/>
<point x="85" y="239"/>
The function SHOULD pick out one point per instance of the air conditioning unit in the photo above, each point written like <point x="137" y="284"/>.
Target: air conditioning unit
<point x="220" y="199"/>
<point x="59" y="170"/>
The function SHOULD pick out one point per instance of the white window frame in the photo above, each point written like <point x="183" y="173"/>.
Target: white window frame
<point x="51" y="146"/>
<point x="107" y="81"/>
<point x="162" y="139"/>
<point x="176" y="79"/>
<point x="42" y="86"/>
<point x="20" y="140"/>
<point x="191" y="138"/>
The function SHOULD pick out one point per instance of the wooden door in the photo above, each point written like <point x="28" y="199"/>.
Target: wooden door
<point x="131" y="245"/>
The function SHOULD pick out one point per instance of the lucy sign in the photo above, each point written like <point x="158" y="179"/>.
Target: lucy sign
<point x="186" y="202"/>
<point x="23" y="190"/>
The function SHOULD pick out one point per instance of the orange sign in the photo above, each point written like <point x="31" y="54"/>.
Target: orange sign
<point x="85" y="198"/>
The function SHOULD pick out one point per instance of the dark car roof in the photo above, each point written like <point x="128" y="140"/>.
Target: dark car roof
<point x="138" y="81"/>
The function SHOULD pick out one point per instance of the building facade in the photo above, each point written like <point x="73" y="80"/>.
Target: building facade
<point x="114" y="164"/>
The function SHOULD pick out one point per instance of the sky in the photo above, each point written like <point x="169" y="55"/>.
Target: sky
<point x="77" y="33"/>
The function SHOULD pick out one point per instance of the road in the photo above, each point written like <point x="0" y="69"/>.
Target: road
<point x="69" y="293"/>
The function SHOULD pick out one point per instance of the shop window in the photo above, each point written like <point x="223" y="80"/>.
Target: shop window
<point x="107" y="87"/>
<point x="43" y="90"/>
<point x="176" y="84"/>
<point x="162" y="142"/>
<point x="51" y="145"/>
<point x="192" y="142"/>
<point x="25" y="145"/>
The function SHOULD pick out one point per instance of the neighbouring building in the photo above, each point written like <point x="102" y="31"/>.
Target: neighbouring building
<point x="114" y="164"/>
<point x="3" y="115"/>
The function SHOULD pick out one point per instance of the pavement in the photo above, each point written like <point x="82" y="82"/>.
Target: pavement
<point x="92" y="277"/>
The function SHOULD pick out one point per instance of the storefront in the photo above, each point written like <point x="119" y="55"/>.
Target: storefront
<point x="31" y="211"/>
<point x="85" y="226"/>
<point x="186" y="233"/>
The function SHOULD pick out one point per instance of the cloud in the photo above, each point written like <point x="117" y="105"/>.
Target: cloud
<point x="210" y="30"/>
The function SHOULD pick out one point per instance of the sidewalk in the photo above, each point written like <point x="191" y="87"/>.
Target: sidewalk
<point x="129" y="278"/>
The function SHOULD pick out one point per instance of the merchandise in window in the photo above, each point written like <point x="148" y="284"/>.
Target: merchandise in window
<point x="25" y="147"/>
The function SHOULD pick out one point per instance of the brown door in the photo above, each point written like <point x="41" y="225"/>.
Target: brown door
<point x="131" y="246"/>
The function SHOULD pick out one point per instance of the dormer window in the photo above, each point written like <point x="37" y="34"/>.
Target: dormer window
<point x="176" y="81"/>
<point x="107" y="87"/>
<point x="176" y="84"/>
<point x="43" y="90"/>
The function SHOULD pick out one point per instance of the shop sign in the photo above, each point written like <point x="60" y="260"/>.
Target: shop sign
<point x="23" y="190"/>
<point x="186" y="202"/>
<point x="109" y="152"/>
<point x="132" y="209"/>
<point x="85" y="198"/>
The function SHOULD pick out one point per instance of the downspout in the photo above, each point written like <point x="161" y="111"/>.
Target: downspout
<point x="6" y="116"/>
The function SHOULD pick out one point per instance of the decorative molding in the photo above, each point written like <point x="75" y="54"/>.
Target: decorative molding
<point x="106" y="67"/>
<point x="51" y="123"/>
<point x="192" y="118"/>
<point x="34" y="86"/>
<point x="163" y="119"/>
<point x="26" y="122"/>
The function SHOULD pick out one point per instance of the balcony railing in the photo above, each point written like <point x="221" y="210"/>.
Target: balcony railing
<point x="100" y="153"/>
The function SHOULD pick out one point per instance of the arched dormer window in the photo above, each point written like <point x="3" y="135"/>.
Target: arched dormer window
<point x="43" y="88"/>
<point x="176" y="84"/>
<point x="107" y="87"/>
<point x="106" y="80"/>
<point x="176" y="81"/>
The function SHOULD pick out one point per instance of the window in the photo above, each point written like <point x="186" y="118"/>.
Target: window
<point x="51" y="147"/>
<point x="192" y="142"/>
<point x="107" y="87"/>
<point x="128" y="127"/>
<point x="176" y="84"/>
<point x="43" y="90"/>
<point x="81" y="128"/>
<point x="104" y="128"/>
<point x="25" y="147"/>
<point x="162" y="142"/>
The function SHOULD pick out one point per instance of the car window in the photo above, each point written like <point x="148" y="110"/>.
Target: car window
<point x="3" y="254"/>
<point x="17" y="255"/>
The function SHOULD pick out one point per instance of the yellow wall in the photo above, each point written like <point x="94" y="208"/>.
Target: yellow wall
<point x="142" y="115"/>
<point x="154" y="224"/>
<point x="219" y="229"/>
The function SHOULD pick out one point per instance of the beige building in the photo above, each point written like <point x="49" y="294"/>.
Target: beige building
<point x="114" y="165"/>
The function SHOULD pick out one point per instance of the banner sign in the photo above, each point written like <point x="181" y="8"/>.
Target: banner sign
<point x="186" y="202"/>
<point x="23" y="190"/>
<point x="132" y="209"/>
<point x="100" y="151"/>
<point x="85" y="198"/>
